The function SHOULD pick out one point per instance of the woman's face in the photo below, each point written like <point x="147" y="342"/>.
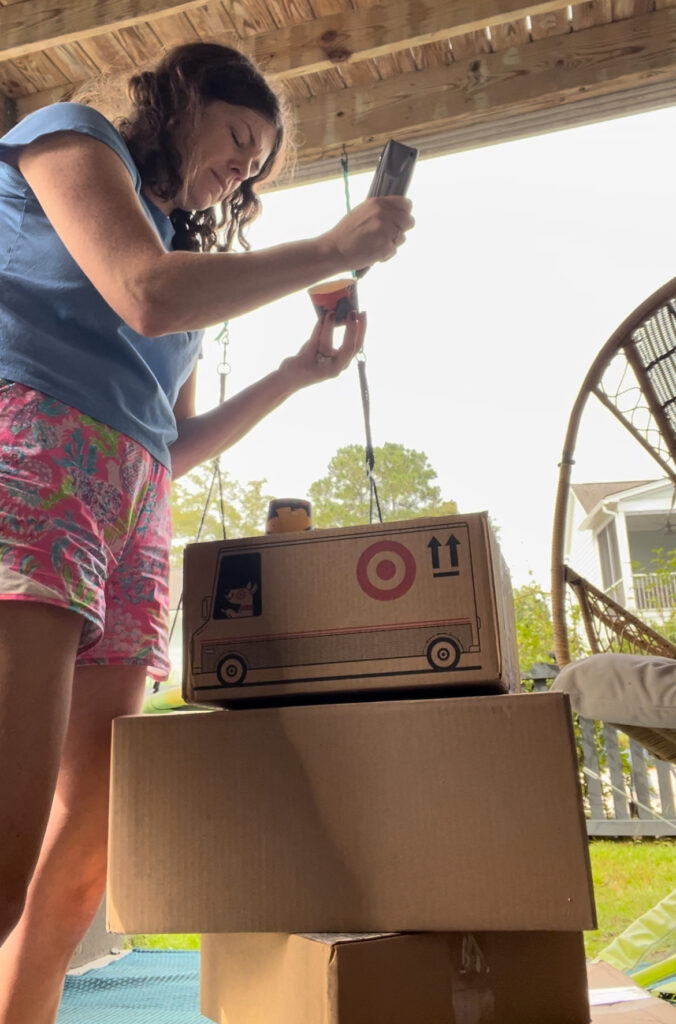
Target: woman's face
<point x="229" y="145"/>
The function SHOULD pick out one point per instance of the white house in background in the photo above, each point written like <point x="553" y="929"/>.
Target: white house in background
<point x="612" y="533"/>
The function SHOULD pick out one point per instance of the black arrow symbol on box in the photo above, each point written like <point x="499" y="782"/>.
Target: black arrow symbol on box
<point x="452" y="544"/>
<point x="434" y="546"/>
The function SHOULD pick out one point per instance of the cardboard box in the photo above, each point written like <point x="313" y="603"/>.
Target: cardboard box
<point x="431" y="815"/>
<point x="381" y="609"/>
<point x="492" y="978"/>
<point x="616" y="999"/>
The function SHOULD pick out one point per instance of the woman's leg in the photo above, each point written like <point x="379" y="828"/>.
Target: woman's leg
<point x="69" y="880"/>
<point x="38" y="645"/>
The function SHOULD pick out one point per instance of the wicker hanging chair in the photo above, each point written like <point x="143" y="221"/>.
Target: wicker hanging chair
<point x="634" y="377"/>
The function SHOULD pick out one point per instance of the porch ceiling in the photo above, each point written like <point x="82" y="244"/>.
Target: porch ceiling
<point x="654" y="522"/>
<point x="441" y="74"/>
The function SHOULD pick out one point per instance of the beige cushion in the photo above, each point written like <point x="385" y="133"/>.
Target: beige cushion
<point x="622" y="688"/>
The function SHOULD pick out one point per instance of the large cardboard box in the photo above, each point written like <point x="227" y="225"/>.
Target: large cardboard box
<point x="428" y="815"/>
<point x="379" y="609"/>
<point x="470" y="978"/>
<point x="616" y="999"/>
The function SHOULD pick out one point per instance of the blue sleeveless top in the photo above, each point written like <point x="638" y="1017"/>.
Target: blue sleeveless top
<point x="57" y="333"/>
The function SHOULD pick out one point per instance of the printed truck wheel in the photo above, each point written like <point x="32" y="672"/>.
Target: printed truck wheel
<point x="443" y="652"/>
<point x="231" y="670"/>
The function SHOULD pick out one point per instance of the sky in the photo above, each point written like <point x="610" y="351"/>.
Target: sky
<point x="525" y="257"/>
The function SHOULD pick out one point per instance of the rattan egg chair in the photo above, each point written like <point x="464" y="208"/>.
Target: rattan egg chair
<point x="634" y="377"/>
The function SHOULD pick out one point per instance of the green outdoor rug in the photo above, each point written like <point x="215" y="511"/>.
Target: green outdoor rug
<point x="141" y="987"/>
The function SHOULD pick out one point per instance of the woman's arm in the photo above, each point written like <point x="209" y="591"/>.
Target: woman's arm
<point x="205" y="436"/>
<point x="88" y="196"/>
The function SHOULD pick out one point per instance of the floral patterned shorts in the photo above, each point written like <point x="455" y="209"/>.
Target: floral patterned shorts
<point x="85" y="524"/>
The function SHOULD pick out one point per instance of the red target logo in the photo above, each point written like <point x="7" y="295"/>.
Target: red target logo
<point x="386" y="570"/>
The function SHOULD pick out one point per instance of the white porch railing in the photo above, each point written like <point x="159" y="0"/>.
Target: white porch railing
<point x="654" y="590"/>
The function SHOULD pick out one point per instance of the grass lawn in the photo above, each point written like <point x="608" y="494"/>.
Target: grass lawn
<point x="163" y="941"/>
<point x="630" y="877"/>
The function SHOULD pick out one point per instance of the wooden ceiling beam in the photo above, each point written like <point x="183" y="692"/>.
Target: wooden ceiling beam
<point x="32" y="25"/>
<point x="591" y="74"/>
<point x="380" y="30"/>
<point x="503" y="126"/>
<point x="618" y="57"/>
<point x="316" y="45"/>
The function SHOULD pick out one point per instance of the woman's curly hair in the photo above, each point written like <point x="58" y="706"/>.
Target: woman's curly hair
<point x="166" y="101"/>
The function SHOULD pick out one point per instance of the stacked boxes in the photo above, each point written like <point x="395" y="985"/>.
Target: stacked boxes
<point x="459" y="818"/>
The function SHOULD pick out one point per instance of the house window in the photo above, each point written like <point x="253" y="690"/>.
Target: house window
<point x="609" y="556"/>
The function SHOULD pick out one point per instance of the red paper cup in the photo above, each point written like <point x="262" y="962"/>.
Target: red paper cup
<point x="339" y="297"/>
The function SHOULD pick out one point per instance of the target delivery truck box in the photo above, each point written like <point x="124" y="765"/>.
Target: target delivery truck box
<point x="382" y="609"/>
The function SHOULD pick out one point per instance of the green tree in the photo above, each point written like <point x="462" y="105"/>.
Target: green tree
<point x="194" y="509"/>
<point x="535" y="630"/>
<point x="405" y="482"/>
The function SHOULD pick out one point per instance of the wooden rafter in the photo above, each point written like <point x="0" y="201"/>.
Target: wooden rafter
<point x="599" y="60"/>
<point x="301" y="49"/>
<point x="383" y="29"/>
<point x="537" y="75"/>
<point x="467" y="86"/>
<point x="32" y="25"/>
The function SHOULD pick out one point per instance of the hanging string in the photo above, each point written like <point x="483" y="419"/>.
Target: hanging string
<point x="370" y="457"/>
<point x="344" y="163"/>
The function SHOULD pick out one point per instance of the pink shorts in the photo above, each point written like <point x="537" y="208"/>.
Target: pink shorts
<point x="85" y="524"/>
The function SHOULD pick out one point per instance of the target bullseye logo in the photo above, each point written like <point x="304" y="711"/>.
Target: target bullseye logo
<point x="386" y="570"/>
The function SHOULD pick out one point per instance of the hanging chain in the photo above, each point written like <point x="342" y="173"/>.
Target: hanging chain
<point x="223" y="368"/>
<point x="344" y="163"/>
<point x="363" y="382"/>
<point x="370" y="454"/>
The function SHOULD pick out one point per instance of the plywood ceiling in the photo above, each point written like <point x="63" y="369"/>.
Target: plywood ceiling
<point x="440" y="74"/>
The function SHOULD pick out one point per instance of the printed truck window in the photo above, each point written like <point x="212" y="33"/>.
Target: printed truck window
<point x="238" y="590"/>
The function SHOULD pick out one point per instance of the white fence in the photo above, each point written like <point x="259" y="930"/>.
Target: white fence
<point x="627" y="792"/>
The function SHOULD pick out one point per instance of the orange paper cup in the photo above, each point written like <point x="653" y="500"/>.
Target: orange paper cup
<point x="288" y="515"/>
<point x="337" y="296"/>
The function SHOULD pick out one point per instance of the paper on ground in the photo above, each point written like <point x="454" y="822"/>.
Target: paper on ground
<point x="624" y="994"/>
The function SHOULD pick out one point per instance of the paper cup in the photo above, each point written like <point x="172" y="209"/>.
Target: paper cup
<point x="288" y="515"/>
<point x="337" y="296"/>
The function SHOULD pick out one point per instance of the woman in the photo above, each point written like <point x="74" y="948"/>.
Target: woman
<point x="111" y="269"/>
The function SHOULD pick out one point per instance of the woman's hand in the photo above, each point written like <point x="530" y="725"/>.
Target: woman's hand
<point x="204" y="436"/>
<point x="318" y="360"/>
<point x="372" y="232"/>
